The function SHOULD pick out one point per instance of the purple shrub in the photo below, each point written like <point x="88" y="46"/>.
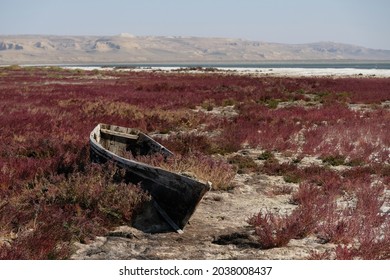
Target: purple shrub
<point x="271" y="229"/>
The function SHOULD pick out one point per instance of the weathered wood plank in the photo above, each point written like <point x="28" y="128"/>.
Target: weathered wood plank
<point x="120" y="134"/>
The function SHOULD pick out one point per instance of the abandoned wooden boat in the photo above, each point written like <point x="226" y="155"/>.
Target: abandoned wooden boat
<point x="174" y="196"/>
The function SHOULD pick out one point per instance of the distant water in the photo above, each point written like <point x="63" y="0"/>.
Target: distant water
<point x="308" y="65"/>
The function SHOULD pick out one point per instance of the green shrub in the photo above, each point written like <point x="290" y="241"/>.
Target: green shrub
<point x="243" y="164"/>
<point x="334" y="160"/>
<point x="266" y="155"/>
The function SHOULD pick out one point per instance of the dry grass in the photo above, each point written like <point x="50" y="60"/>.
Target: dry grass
<point x="202" y="167"/>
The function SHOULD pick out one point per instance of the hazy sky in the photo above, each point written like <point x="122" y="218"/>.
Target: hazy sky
<point x="361" y="22"/>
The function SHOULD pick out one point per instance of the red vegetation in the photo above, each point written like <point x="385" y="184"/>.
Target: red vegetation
<point x="360" y="228"/>
<point x="50" y="195"/>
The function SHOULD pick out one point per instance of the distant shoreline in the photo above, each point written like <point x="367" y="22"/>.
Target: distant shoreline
<point x="266" y="64"/>
<point x="253" y="70"/>
<point x="280" y="69"/>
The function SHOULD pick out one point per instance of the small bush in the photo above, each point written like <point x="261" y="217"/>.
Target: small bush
<point x="272" y="103"/>
<point x="276" y="230"/>
<point x="334" y="160"/>
<point x="306" y="195"/>
<point x="292" y="177"/>
<point x="228" y="102"/>
<point x="188" y="143"/>
<point x="266" y="155"/>
<point x="271" y="229"/>
<point x="243" y="164"/>
<point x="208" y="105"/>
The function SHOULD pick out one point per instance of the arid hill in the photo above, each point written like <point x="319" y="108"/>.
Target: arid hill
<point x="124" y="48"/>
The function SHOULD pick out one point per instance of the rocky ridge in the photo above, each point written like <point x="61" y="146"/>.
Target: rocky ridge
<point x="125" y="48"/>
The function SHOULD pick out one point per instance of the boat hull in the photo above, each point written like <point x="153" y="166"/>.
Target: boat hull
<point x="174" y="196"/>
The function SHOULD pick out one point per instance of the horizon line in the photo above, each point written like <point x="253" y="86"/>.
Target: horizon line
<point x="129" y="35"/>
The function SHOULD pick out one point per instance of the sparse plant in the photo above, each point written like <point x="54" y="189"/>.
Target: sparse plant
<point x="208" y="105"/>
<point x="272" y="229"/>
<point x="243" y="164"/>
<point x="334" y="160"/>
<point x="228" y="102"/>
<point x="292" y="177"/>
<point x="266" y="155"/>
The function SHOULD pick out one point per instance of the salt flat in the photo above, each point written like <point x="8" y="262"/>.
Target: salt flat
<point x="314" y="72"/>
<point x="281" y="72"/>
